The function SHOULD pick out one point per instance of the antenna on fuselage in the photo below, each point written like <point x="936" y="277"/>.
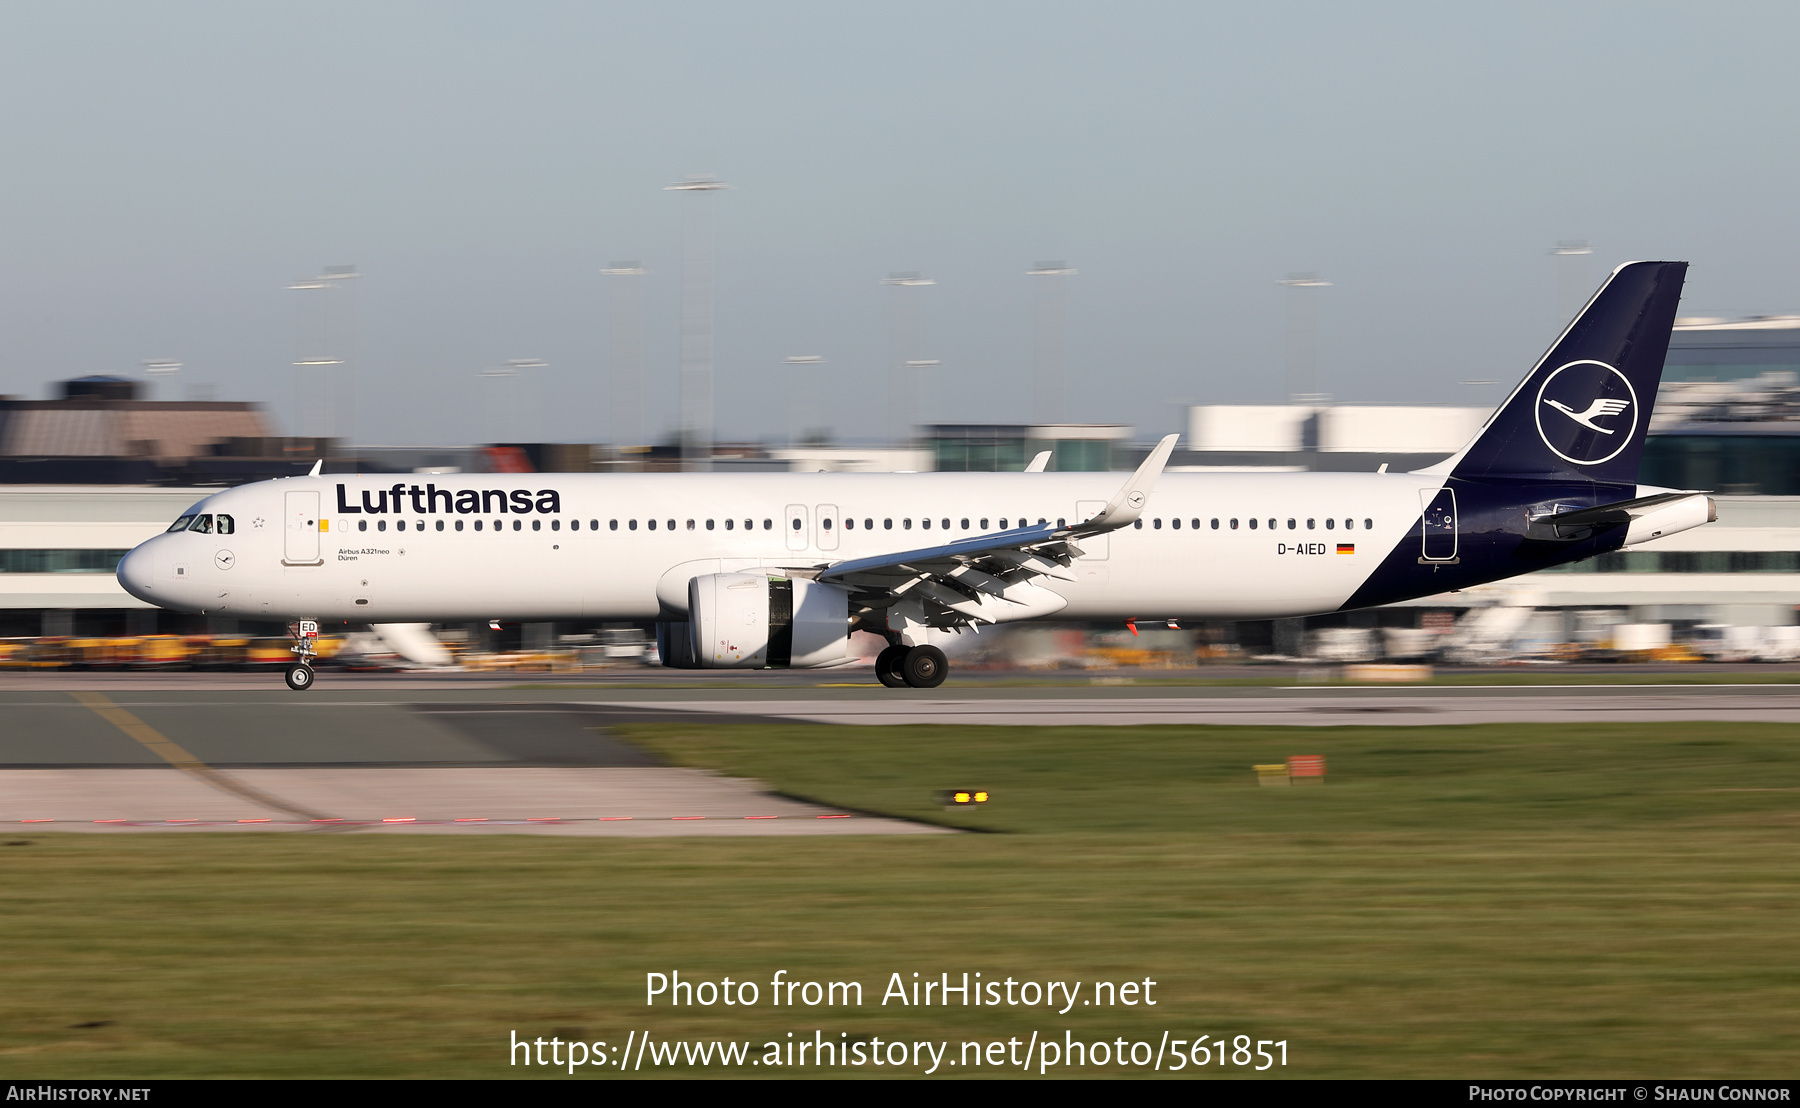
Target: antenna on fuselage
<point x="317" y="466"/>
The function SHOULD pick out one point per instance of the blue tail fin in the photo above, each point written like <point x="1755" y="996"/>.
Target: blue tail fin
<point x="1582" y="414"/>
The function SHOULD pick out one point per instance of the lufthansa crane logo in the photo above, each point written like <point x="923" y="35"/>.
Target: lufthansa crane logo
<point x="1587" y="412"/>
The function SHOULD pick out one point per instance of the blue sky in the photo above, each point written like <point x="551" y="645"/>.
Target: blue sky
<point x="169" y="168"/>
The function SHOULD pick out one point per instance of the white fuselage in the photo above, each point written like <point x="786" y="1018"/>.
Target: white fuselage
<point x="594" y="547"/>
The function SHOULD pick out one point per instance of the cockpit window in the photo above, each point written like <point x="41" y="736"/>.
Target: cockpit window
<point x="179" y="525"/>
<point x="226" y="525"/>
<point x="202" y="524"/>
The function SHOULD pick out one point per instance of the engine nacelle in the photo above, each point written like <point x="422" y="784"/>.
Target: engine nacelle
<point x="753" y="621"/>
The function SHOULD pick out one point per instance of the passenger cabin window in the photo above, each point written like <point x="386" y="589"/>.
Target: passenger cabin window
<point x="1309" y="525"/>
<point x="399" y="525"/>
<point x="459" y="524"/>
<point x="925" y="524"/>
<point x="1253" y="525"/>
<point x="868" y="524"/>
<point x="1290" y="524"/>
<point x="537" y="525"/>
<point x="1215" y="524"/>
<point x="611" y="525"/>
<point x="363" y="525"/>
<point x="1330" y="523"/>
<point x="887" y="525"/>
<point x="650" y="524"/>
<point x="690" y="525"/>
<point x="1368" y="525"/>
<point x="768" y="524"/>
<point x="729" y="523"/>
<point x="440" y="525"/>
<point x="906" y="524"/>
<point x="381" y="525"/>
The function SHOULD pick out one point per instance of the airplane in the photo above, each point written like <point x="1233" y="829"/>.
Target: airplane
<point x="778" y="570"/>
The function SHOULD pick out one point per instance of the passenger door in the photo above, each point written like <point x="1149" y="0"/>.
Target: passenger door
<point x="301" y="540"/>
<point x="827" y="519"/>
<point x="1439" y="525"/>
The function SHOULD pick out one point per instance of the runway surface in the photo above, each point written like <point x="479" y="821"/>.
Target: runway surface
<point x="185" y="752"/>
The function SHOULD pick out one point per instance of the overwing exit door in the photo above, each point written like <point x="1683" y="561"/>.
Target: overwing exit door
<point x="301" y="538"/>
<point x="1438" y="525"/>
<point x="1094" y="548"/>
<point x="799" y="534"/>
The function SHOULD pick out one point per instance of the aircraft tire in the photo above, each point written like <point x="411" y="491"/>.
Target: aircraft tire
<point x="887" y="666"/>
<point x="924" y="667"/>
<point x="300" y="677"/>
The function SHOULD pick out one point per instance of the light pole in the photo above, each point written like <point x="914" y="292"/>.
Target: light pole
<point x="808" y="425"/>
<point x="1052" y="366"/>
<point x="1303" y="337"/>
<point x="904" y="333"/>
<point x="1572" y="274"/>
<point x="325" y="347"/>
<point x="915" y="372"/>
<point x="506" y="401"/>
<point x="697" y="321"/>
<point x="627" y="354"/>
<point x="161" y="367"/>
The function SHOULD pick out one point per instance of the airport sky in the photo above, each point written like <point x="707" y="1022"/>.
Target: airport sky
<point x="170" y="168"/>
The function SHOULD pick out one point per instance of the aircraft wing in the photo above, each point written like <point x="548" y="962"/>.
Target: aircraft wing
<point x="992" y="578"/>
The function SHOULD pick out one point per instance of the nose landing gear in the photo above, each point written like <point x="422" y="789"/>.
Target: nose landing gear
<point x="305" y="633"/>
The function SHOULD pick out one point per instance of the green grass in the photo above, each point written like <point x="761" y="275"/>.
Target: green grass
<point x="1517" y="901"/>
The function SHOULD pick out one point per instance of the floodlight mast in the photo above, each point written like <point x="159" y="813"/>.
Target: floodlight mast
<point x="1572" y="277"/>
<point x="1052" y="364"/>
<point x="1303" y="337"/>
<point x="903" y="385"/>
<point x="697" y="321"/>
<point x="627" y="368"/>
<point x="325" y="352"/>
<point x="161" y="367"/>
<point x="806" y="425"/>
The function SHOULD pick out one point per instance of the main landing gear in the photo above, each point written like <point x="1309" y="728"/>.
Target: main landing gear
<point x="920" y="667"/>
<point x="300" y="675"/>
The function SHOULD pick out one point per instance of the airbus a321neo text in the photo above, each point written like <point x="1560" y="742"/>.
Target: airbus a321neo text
<point x="778" y="570"/>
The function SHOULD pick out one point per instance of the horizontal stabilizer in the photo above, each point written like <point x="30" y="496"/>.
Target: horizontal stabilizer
<point x="1623" y="511"/>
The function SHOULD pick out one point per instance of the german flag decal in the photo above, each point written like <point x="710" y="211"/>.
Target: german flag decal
<point x="1346" y="548"/>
